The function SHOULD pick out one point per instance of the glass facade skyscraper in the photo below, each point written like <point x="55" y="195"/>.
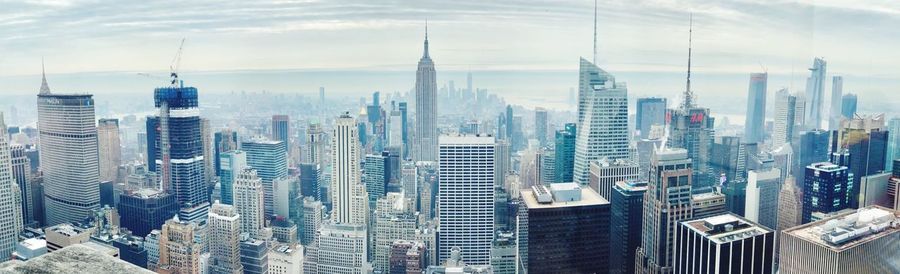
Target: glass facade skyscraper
<point x="602" y="120"/>
<point x="269" y="158"/>
<point x="565" y="153"/>
<point x="754" y="125"/>
<point x="650" y="111"/>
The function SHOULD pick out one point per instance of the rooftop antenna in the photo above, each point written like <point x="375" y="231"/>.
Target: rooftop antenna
<point x="45" y="89"/>
<point x="764" y="68"/>
<point x="173" y="68"/>
<point x="688" y="95"/>
<point x="595" y="32"/>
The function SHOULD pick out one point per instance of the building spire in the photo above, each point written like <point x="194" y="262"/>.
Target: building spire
<point x="426" y="40"/>
<point x="688" y="94"/>
<point x="595" y="32"/>
<point x="45" y="89"/>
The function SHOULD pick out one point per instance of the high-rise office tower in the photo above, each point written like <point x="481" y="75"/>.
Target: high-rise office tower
<point x="724" y="243"/>
<point x="231" y="164"/>
<point x="223" y="141"/>
<point x="10" y="199"/>
<point x="834" y="114"/>
<point x="861" y="241"/>
<point x="602" y="119"/>
<point x="848" y="105"/>
<point x="312" y="220"/>
<point x="110" y="149"/>
<point x="605" y="174"/>
<point x="342" y="249"/>
<point x="281" y="128"/>
<point x="68" y="153"/>
<point x="785" y="108"/>
<point x="179" y="150"/>
<point x="754" y="125"/>
<point x="789" y="205"/>
<point x="664" y="207"/>
<point x="394" y="220"/>
<point x="395" y="129"/>
<point x="248" y="200"/>
<point x="224" y="226"/>
<point x="565" y="153"/>
<point x="761" y="204"/>
<point x="375" y="179"/>
<point x="866" y="139"/>
<point x="465" y="199"/>
<point x="812" y="148"/>
<point x="206" y="139"/>
<point x="425" y="143"/>
<point x="310" y="176"/>
<point x="346" y="185"/>
<point x="541" y="124"/>
<point x="815" y="95"/>
<point x="650" y="111"/>
<point x="546" y="166"/>
<point x="826" y="189"/>
<point x="21" y="172"/>
<point x="146" y="209"/>
<point x="626" y="218"/>
<point x="893" y="143"/>
<point x="564" y="229"/>
<point x="269" y="158"/>
<point x="254" y="256"/>
<point x="404" y="121"/>
<point x="728" y="163"/>
<point x="178" y="252"/>
<point x="314" y="152"/>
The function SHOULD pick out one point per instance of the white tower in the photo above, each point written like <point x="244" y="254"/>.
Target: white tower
<point x="10" y="210"/>
<point x="602" y="130"/>
<point x="248" y="199"/>
<point x="349" y="201"/>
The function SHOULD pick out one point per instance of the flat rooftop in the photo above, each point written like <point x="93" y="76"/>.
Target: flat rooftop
<point x="466" y="139"/>
<point x="850" y="229"/>
<point x="588" y="197"/>
<point x="725" y="228"/>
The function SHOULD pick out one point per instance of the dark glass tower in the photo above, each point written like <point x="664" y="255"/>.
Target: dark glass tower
<point x="626" y="207"/>
<point x="145" y="210"/>
<point x="826" y="189"/>
<point x="565" y="153"/>
<point x="650" y="111"/>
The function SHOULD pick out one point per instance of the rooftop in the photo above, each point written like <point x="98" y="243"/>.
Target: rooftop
<point x="726" y="228"/>
<point x="466" y="140"/>
<point x="588" y="197"/>
<point x="849" y="229"/>
<point x="75" y="259"/>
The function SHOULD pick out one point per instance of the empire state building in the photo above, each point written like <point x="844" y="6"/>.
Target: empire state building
<point x="426" y="142"/>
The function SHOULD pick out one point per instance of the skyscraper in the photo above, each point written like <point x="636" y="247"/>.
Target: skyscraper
<point x="21" y="172"/>
<point x="564" y="229"/>
<point x="861" y="241"/>
<point x="754" y="125"/>
<point x="311" y="222"/>
<point x="650" y="111"/>
<point x="342" y="249"/>
<point x="761" y="204"/>
<point x="813" y="148"/>
<point x="834" y="114"/>
<point x="426" y="139"/>
<point x="178" y="253"/>
<point x="565" y="153"/>
<point x="602" y="119"/>
<point x="626" y="207"/>
<point x="376" y="179"/>
<point x="248" y="200"/>
<point x="180" y="162"/>
<point x="465" y="200"/>
<point x="223" y="141"/>
<point x="866" y="139"/>
<point x="848" y="105"/>
<point x="68" y="153"/>
<point x="728" y="163"/>
<point x="225" y="236"/>
<point x="231" y="164"/>
<point x="144" y="210"/>
<point x="269" y="158"/>
<point x="724" y="243"/>
<point x="605" y="174"/>
<point x="346" y="186"/>
<point x="826" y="189"/>
<point x="664" y="207"/>
<point x="281" y="128"/>
<point x="893" y="143"/>
<point x="815" y="95"/>
<point x="314" y="151"/>
<point x="110" y="149"/>
<point x="540" y="125"/>
<point x="785" y="108"/>
<point x="10" y="210"/>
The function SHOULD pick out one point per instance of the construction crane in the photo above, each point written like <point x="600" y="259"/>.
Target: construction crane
<point x="173" y="68"/>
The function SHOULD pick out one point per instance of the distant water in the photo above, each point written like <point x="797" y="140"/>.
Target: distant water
<point x="723" y="93"/>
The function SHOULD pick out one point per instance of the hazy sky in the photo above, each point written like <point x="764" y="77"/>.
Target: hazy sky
<point x="859" y="39"/>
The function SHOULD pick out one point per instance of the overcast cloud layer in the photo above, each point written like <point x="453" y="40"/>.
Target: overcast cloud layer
<point x="858" y="38"/>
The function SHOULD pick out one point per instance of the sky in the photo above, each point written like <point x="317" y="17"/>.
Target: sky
<point x="100" y="46"/>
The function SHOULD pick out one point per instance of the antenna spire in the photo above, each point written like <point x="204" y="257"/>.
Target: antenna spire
<point x="45" y="89"/>
<point x="595" y="32"/>
<point x="688" y="94"/>
<point x="425" y="55"/>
